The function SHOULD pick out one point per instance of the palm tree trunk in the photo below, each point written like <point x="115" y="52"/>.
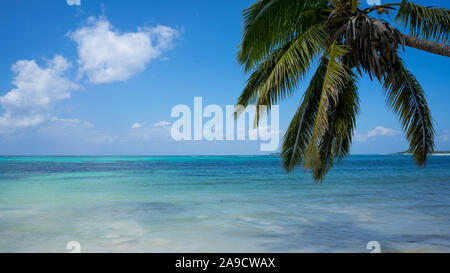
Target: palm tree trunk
<point x="429" y="46"/>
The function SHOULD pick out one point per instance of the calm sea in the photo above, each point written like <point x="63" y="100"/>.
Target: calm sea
<point x="221" y="204"/>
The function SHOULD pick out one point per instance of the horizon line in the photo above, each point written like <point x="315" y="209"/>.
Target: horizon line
<point x="149" y="155"/>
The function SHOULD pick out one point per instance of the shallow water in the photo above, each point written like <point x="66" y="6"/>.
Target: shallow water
<point x="221" y="204"/>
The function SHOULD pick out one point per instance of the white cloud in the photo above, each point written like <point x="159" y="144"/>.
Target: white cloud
<point x="73" y="2"/>
<point x="74" y="131"/>
<point x="162" y="124"/>
<point x="374" y="2"/>
<point x="145" y="134"/>
<point x="136" y="125"/>
<point x="106" y="55"/>
<point x="36" y="92"/>
<point x="378" y="131"/>
<point x="72" y="122"/>
<point x="381" y="131"/>
<point x="445" y="137"/>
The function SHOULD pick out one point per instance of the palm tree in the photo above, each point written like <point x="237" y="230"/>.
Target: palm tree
<point x="283" y="39"/>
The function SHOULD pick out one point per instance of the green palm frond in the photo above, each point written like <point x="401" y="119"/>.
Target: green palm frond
<point x="269" y="24"/>
<point x="407" y="99"/>
<point x="278" y="76"/>
<point x="300" y="129"/>
<point x="337" y="140"/>
<point x="293" y="65"/>
<point x="335" y="80"/>
<point x="430" y="23"/>
<point x="282" y="38"/>
<point x="253" y="84"/>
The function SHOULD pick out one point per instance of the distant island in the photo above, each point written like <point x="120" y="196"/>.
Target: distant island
<point x="435" y="153"/>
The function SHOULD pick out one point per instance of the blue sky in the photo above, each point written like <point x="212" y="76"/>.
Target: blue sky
<point x="57" y="100"/>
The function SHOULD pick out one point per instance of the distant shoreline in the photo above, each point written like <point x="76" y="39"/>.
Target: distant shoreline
<point x="446" y="153"/>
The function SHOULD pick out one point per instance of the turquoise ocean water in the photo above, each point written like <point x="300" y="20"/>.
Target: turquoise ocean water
<point x="221" y="204"/>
